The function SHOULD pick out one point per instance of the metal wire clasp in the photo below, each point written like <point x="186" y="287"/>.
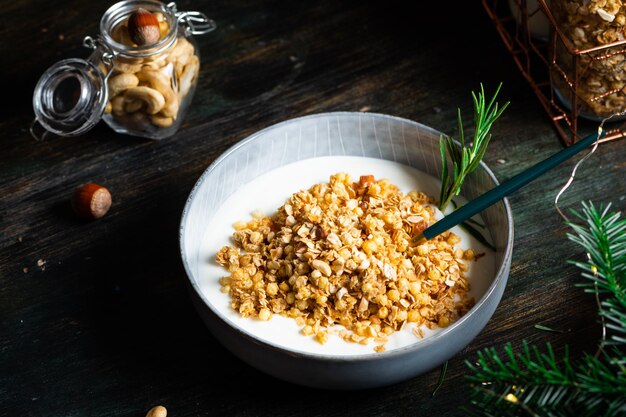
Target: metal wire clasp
<point x="35" y="127"/>
<point x="196" y="23"/>
<point x="108" y="54"/>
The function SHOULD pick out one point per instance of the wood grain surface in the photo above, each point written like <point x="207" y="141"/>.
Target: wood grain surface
<point x="95" y="319"/>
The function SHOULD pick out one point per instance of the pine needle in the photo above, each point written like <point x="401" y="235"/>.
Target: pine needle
<point x="547" y="329"/>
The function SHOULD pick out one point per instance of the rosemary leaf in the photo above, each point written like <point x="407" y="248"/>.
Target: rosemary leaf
<point x="442" y="377"/>
<point x="470" y="221"/>
<point x="467" y="157"/>
<point x="475" y="223"/>
<point x="476" y="234"/>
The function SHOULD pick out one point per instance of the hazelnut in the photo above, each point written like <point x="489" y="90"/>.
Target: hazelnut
<point x="143" y="27"/>
<point x="91" y="201"/>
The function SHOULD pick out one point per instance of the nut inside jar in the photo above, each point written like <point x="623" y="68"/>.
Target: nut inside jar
<point x="150" y="90"/>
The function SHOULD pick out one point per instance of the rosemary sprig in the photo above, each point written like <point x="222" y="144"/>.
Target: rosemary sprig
<point x="466" y="159"/>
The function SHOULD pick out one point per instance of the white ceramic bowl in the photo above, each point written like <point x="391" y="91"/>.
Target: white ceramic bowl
<point x="275" y="347"/>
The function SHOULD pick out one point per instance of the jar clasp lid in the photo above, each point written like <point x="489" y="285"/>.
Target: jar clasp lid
<point x="196" y="23"/>
<point x="70" y="97"/>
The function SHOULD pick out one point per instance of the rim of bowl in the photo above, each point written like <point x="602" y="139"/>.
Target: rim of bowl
<point x="421" y="343"/>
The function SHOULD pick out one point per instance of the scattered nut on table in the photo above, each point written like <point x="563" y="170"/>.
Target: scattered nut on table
<point x="158" y="411"/>
<point x="91" y="201"/>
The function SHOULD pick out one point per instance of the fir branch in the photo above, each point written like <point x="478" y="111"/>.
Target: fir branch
<point x="602" y="376"/>
<point x="466" y="158"/>
<point x="532" y="383"/>
<point x="603" y="236"/>
<point x="536" y="383"/>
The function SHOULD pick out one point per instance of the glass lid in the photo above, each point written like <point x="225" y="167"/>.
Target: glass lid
<point x="70" y="97"/>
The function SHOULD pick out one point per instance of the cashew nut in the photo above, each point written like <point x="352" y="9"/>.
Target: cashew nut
<point x="108" y="108"/>
<point x="104" y="70"/>
<point x="136" y="120"/>
<point x="132" y="106"/>
<point x="161" y="121"/>
<point x="120" y="34"/>
<point x="152" y="99"/>
<point x="117" y="105"/>
<point x="129" y="59"/>
<point x="182" y="47"/>
<point x="164" y="28"/>
<point x="126" y="67"/>
<point x="116" y="33"/>
<point x="183" y="60"/>
<point x="161" y="83"/>
<point x="188" y="75"/>
<point x="155" y="65"/>
<point x="122" y="82"/>
<point x="155" y="62"/>
<point x="178" y="68"/>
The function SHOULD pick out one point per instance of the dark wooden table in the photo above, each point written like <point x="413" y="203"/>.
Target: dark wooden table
<point x="95" y="318"/>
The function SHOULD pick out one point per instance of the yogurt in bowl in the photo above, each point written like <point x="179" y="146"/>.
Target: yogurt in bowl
<point x="265" y="169"/>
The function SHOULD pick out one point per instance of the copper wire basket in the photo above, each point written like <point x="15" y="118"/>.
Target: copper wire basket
<point x="536" y="59"/>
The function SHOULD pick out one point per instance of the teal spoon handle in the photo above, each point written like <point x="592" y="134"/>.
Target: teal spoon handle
<point x="515" y="183"/>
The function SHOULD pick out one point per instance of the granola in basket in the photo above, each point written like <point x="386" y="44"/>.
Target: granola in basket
<point x="602" y="73"/>
<point x="342" y="253"/>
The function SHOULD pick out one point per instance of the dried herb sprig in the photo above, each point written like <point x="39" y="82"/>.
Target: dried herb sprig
<point x="466" y="159"/>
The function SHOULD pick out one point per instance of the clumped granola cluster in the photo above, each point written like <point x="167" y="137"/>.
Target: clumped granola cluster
<point x="591" y="23"/>
<point x="342" y="253"/>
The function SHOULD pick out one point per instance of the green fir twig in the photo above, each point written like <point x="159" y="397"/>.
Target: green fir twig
<point x="603" y="235"/>
<point x="538" y="382"/>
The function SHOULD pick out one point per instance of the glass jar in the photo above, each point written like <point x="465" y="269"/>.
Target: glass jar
<point x="589" y="65"/>
<point x="137" y="90"/>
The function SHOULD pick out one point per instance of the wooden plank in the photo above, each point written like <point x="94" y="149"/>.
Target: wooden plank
<point x="107" y="328"/>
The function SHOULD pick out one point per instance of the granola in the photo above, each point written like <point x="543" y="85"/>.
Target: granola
<point x="602" y="73"/>
<point x="342" y="253"/>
